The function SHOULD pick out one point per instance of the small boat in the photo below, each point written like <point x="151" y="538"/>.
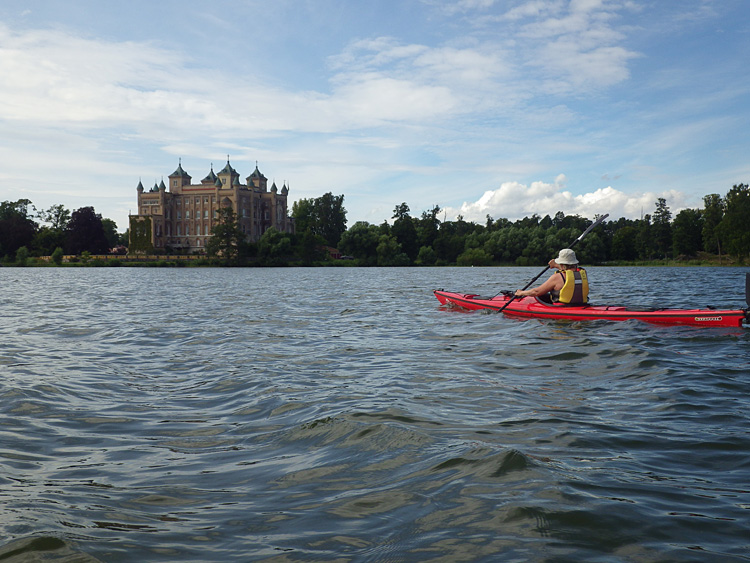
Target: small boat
<point x="533" y="307"/>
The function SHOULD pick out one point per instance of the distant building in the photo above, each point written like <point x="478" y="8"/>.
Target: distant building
<point x="180" y="216"/>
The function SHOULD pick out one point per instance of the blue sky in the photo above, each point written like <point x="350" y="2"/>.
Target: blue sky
<point x="499" y="107"/>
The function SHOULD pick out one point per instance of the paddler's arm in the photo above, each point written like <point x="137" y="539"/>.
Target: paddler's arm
<point x="551" y="284"/>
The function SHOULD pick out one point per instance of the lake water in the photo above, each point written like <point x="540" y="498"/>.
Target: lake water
<point x="339" y="414"/>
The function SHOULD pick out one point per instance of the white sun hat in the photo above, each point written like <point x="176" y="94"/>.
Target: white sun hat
<point x="566" y="256"/>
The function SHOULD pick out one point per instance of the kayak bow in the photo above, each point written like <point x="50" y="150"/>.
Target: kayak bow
<point x="532" y="307"/>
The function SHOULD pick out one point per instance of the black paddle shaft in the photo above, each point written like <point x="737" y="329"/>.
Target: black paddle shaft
<point x="571" y="245"/>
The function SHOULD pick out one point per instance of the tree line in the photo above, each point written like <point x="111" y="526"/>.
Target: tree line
<point x="720" y="228"/>
<point x="28" y="232"/>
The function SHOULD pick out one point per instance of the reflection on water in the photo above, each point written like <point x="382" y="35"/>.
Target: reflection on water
<point x="341" y="414"/>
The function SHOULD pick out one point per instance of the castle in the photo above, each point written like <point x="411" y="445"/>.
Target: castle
<point x="180" y="217"/>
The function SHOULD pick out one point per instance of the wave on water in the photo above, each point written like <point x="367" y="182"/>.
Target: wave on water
<point x="341" y="414"/>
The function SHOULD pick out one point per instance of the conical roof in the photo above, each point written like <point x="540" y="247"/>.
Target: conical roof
<point x="179" y="172"/>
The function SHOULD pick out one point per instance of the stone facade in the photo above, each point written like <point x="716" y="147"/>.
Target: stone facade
<point x="180" y="216"/>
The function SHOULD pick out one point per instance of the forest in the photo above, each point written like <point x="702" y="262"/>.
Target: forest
<point x="720" y="229"/>
<point x="26" y="232"/>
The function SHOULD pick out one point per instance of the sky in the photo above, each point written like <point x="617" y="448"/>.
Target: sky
<point x="506" y="108"/>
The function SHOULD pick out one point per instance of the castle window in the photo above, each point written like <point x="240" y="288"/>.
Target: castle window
<point x="205" y="213"/>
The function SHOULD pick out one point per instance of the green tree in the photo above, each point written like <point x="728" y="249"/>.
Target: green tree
<point x="305" y="215"/>
<point x="593" y="248"/>
<point x="227" y="242"/>
<point x="332" y="217"/>
<point x="310" y="247"/>
<point x="57" y="216"/>
<point x="428" y="227"/>
<point x="404" y="231"/>
<point x="426" y="257"/>
<point x="624" y="244"/>
<point x="687" y="239"/>
<point x="48" y="237"/>
<point x="389" y="252"/>
<point x="274" y="247"/>
<point x="110" y="232"/>
<point x="713" y="212"/>
<point x="507" y="244"/>
<point x="124" y="238"/>
<point x="643" y="239"/>
<point x="733" y="229"/>
<point x="474" y="257"/>
<point x="449" y="242"/>
<point x="57" y="256"/>
<point x="85" y="232"/>
<point x="22" y="256"/>
<point x="17" y="228"/>
<point x="324" y="216"/>
<point x="361" y="242"/>
<point x="661" y="229"/>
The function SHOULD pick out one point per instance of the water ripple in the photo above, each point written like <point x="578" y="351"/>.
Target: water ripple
<point x="341" y="414"/>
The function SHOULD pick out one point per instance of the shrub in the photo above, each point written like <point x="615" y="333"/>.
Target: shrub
<point x="22" y="256"/>
<point x="57" y="256"/>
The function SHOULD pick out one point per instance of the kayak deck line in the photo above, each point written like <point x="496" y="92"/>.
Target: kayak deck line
<point x="532" y="307"/>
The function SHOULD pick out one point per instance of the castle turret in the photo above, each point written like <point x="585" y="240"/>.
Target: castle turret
<point x="179" y="178"/>
<point x="257" y="180"/>
<point x="227" y="175"/>
<point x="211" y="178"/>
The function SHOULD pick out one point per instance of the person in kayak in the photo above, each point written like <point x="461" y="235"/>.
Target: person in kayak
<point x="569" y="284"/>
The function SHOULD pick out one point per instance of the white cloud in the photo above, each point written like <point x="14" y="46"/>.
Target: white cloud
<point x="511" y="92"/>
<point x="576" y="46"/>
<point x="513" y="200"/>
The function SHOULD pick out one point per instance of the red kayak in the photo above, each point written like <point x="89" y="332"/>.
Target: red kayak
<point x="533" y="307"/>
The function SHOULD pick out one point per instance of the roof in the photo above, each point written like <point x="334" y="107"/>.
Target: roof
<point x="228" y="169"/>
<point x="211" y="176"/>
<point x="256" y="173"/>
<point x="179" y="172"/>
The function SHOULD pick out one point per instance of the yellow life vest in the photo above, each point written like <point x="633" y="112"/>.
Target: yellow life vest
<point x="575" y="290"/>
